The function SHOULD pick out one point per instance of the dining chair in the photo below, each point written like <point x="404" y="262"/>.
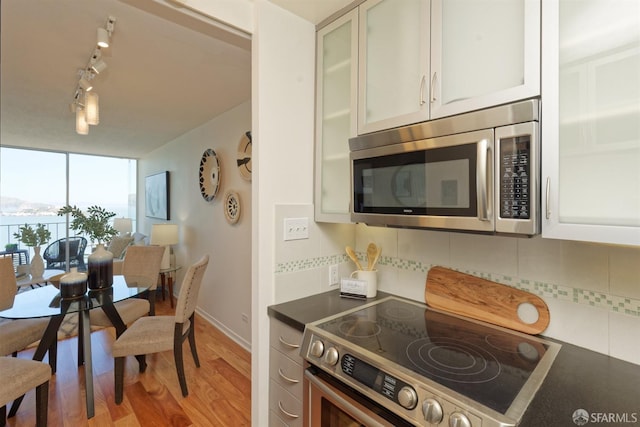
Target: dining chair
<point x="155" y="334"/>
<point x="141" y="265"/>
<point x="18" y="334"/>
<point x="18" y="377"/>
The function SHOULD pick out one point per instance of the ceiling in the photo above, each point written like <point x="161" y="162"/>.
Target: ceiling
<point x="169" y="71"/>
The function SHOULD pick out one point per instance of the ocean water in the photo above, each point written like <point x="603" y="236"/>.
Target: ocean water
<point x="10" y="224"/>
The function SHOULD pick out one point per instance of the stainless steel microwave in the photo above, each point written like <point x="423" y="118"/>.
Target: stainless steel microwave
<point x="476" y="172"/>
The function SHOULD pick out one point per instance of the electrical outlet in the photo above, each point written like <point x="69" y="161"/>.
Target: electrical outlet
<point x="334" y="276"/>
<point x="245" y="318"/>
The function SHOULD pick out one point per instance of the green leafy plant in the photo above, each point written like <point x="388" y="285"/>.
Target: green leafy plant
<point x="31" y="237"/>
<point x="94" y="224"/>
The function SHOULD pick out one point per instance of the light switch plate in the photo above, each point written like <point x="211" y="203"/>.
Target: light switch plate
<point x="296" y="228"/>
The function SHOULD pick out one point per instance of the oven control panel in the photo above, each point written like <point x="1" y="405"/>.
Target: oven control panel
<point x="387" y="385"/>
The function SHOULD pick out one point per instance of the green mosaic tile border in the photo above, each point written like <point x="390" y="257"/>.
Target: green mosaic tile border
<point x="617" y="304"/>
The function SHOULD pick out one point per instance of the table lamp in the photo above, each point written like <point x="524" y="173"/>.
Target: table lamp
<point x="164" y="235"/>
<point x="123" y="225"/>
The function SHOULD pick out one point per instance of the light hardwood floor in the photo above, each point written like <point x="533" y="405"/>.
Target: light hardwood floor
<point x="219" y="391"/>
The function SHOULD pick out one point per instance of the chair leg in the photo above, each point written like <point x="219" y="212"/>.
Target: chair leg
<point x="3" y="415"/>
<point x="142" y="362"/>
<point x="192" y="341"/>
<point x="118" y="371"/>
<point x="53" y="356"/>
<point x="152" y="303"/>
<point x="42" y="404"/>
<point x="177" y="355"/>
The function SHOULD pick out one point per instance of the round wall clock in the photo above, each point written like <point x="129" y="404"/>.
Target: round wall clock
<point x="244" y="156"/>
<point x="209" y="175"/>
<point x="232" y="206"/>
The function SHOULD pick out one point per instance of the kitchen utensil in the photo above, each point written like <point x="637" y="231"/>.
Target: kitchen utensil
<point x="484" y="300"/>
<point x="373" y="253"/>
<point x="352" y="254"/>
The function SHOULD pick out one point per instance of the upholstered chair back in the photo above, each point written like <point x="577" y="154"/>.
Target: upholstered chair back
<point x="8" y="285"/>
<point x="142" y="265"/>
<point x="188" y="297"/>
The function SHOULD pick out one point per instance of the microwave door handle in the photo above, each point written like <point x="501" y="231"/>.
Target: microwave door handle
<point x="482" y="182"/>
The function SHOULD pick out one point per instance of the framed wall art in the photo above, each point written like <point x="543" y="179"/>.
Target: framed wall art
<point x="156" y="195"/>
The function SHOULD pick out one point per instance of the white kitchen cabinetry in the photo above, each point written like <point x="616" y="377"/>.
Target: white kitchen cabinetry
<point x="591" y="120"/>
<point x="394" y="64"/>
<point x="337" y="65"/>
<point x="483" y="53"/>
<point x="285" y="375"/>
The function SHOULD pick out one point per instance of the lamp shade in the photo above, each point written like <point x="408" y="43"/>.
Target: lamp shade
<point x="123" y="225"/>
<point x="164" y="234"/>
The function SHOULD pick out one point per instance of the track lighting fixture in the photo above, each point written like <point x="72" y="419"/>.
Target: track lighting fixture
<point x="85" y="100"/>
<point x="85" y="84"/>
<point x="91" y="108"/>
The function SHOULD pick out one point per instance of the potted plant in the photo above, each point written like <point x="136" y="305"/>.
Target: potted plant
<point x="95" y="225"/>
<point x="11" y="247"/>
<point x="34" y="238"/>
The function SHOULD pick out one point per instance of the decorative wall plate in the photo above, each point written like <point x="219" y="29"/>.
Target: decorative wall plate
<point x="244" y="156"/>
<point x="209" y="175"/>
<point x="232" y="206"/>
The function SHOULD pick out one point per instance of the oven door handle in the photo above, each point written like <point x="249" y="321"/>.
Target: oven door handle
<point x="361" y="416"/>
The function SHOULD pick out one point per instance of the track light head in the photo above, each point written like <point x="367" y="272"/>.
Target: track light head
<point x="98" y="66"/>
<point x="85" y="84"/>
<point x="103" y="38"/>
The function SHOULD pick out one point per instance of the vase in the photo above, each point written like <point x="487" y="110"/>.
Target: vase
<point x="73" y="284"/>
<point x="100" y="267"/>
<point x="37" y="264"/>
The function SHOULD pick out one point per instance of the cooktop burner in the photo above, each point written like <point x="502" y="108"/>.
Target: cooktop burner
<point x="453" y="357"/>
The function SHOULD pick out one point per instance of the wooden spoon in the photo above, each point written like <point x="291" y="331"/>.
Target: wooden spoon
<point x="352" y="254"/>
<point x="372" y="249"/>
<point x="373" y="253"/>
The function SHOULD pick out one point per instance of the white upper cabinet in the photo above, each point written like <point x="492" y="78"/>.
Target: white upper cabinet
<point x="483" y="53"/>
<point x="393" y="63"/>
<point x="336" y="96"/>
<point x="591" y="120"/>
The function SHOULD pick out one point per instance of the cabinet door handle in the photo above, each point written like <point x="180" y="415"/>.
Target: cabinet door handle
<point x="288" y="414"/>
<point x="286" y="378"/>
<point x="288" y="344"/>
<point x="432" y="91"/>
<point x="422" y="82"/>
<point x="547" y="198"/>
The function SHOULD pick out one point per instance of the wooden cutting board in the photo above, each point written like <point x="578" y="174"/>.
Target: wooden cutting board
<point x="483" y="299"/>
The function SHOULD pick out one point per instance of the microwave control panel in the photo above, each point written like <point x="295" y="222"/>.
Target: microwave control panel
<point x="515" y="174"/>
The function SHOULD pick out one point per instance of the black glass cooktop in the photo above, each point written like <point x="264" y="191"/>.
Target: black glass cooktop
<point x="487" y="364"/>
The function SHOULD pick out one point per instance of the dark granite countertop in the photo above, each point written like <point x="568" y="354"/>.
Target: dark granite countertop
<point x="607" y="388"/>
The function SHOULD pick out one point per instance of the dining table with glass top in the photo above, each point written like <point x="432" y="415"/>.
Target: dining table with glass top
<point x="45" y="301"/>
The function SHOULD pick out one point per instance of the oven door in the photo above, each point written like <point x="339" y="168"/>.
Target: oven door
<point x="333" y="404"/>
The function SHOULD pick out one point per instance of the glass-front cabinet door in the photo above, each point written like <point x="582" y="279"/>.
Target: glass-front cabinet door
<point x="394" y="64"/>
<point x="483" y="53"/>
<point x="591" y="120"/>
<point x="337" y="67"/>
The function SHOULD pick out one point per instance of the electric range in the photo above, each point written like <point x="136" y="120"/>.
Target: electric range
<point x="427" y="366"/>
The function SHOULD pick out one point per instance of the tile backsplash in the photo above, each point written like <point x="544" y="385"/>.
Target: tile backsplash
<point x="592" y="290"/>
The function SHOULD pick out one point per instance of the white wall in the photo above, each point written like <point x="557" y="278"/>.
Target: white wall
<point x="226" y="290"/>
<point x="283" y="67"/>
